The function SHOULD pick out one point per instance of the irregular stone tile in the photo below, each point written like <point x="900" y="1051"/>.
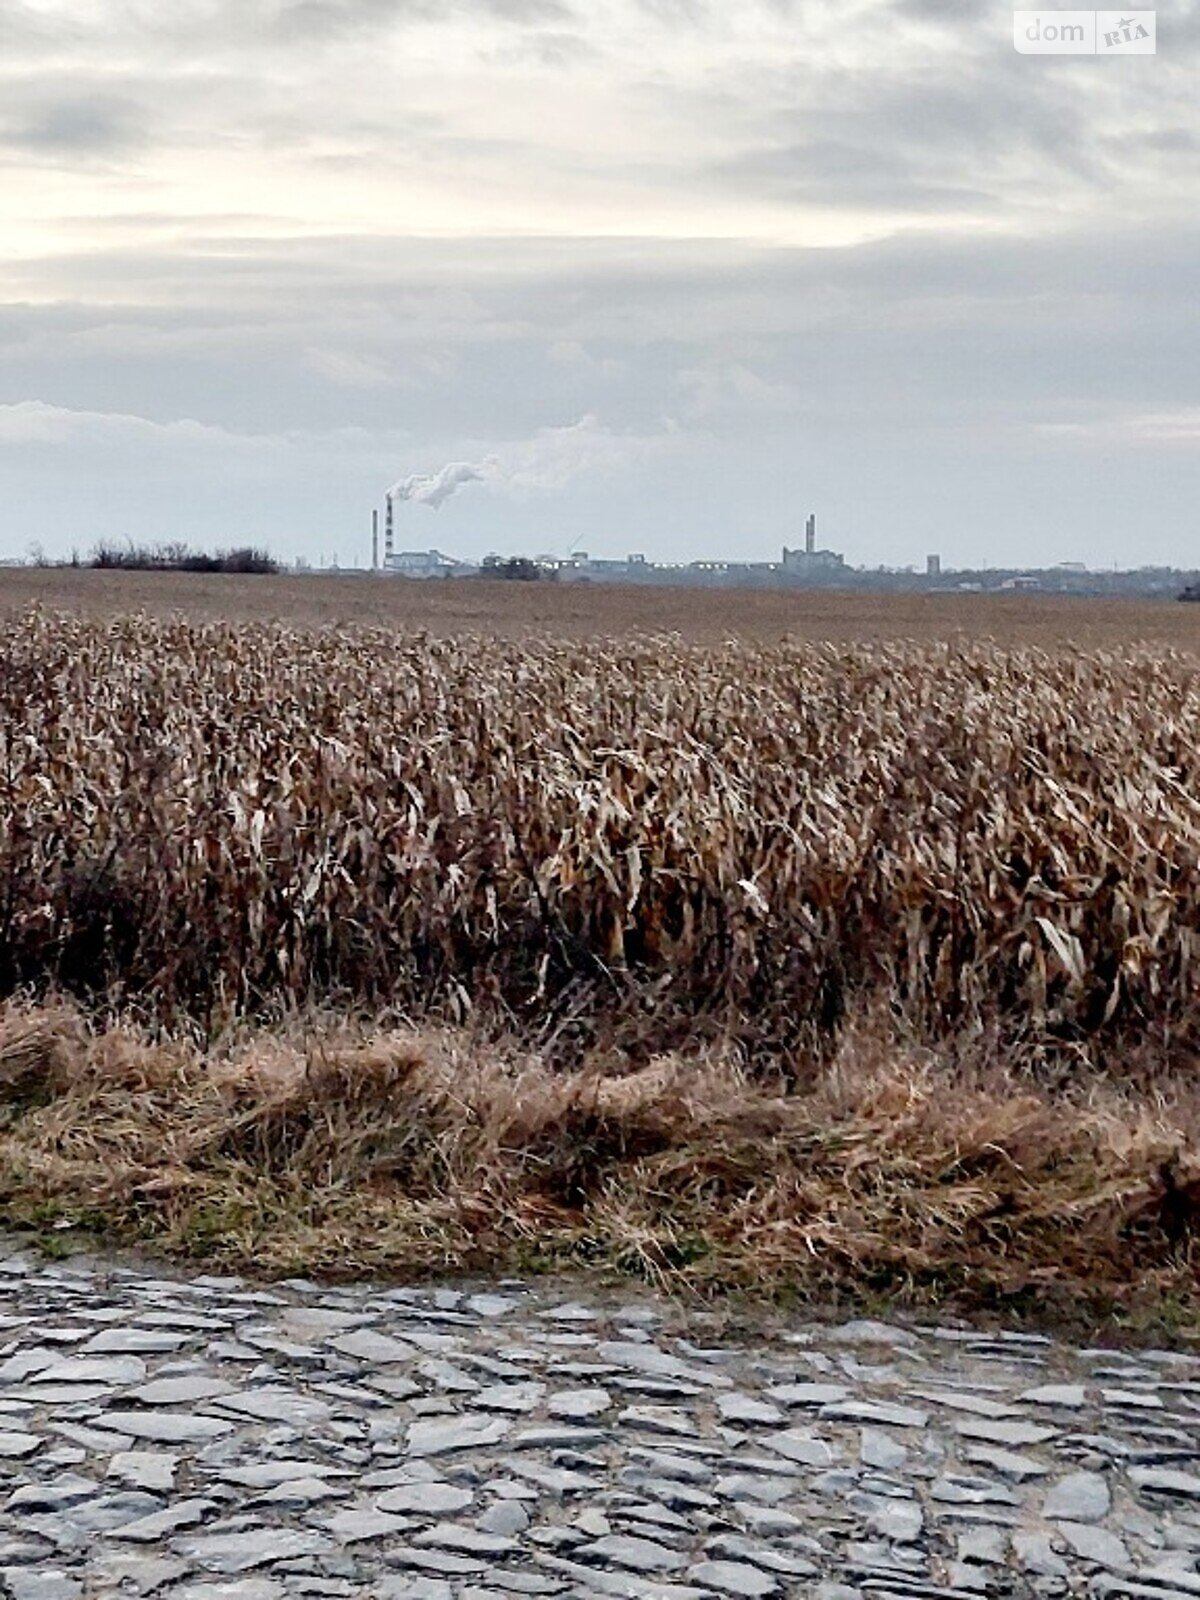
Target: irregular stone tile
<point x="106" y="1371"/>
<point x="512" y="1398"/>
<point x="18" y="1446"/>
<point x="448" y="1378"/>
<point x="492" y="1306"/>
<point x="179" y="1391"/>
<point x="877" y="1449"/>
<point x="426" y="1499"/>
<point x="656" y="1363"/>
<point x="622" y="1585"/>
<point x="1007" y="1462"/>
<point x="309" y="1320"/>
<point x="1004" y="1433"/>
<point x="361" y="1524"/>
<point x="135" y="1572"/>
<point x="1080" y="1497"/>
<point x="270" y="1474"/>
<point x="153" y="1470"/>
<point x="48" y="1584"/>
<point x="734" y="1578"/>
<point x="870" y="1332"/>
<point x="983" y="1546"/>
<point x="23" y="1363"/>
<point x="809" y="1394"/>
<point x="288" y="1406"/>
<point x="166" y="1427"/>
<point x="379" y="1349"/>
<point x="1131" y="1399"/>
<point x="160" y="1524"/>
<point x="579" y="1405"/>
<point x="786" y="1562"/>
<point x="186" y="1321"/>
<point x="768" y="1521"/>
<point x="659" y="1419"/>
<point x="68" y="1394"/>
<point x="638" y="1555"/>
<point x="1096" y="1545"/>
<point x="1166" y="1480"/>
<point x="795" y="1444"/>
<point x="112" y="1511"/>
<point x="440" y="1561"/>
<point x="747" y="1409"/>
<point x="243" y="1589"/>
<point x="886" y="1413"/>
<point x="302" y="1492"/>
<point x="397" y="1588"/>
<point x="56" y="1495"/>
<point x="979" y="1405"/>
<point x="961" y="1491"/>
<point x="508" y="1518"/>
<point x="560" y="1481"/>
<point x="964" y="1578"/>
<point x="463" y="1540"/>
<point x="899" y="1521"/>
<point x="397" y="1388"/>
<point x="745" y="1486"/>
<point x="1068" y="1396"/>
<point x="447" y="1435"/>
<point x="242" y="1552"/>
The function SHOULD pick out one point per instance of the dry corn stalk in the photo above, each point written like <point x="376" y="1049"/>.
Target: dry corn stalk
<point x="208" y="818"/>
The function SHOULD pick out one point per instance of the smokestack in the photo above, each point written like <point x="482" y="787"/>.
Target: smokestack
<point x="375" y="540"/>
<point x="810" y="535"/>
<point x="389" y="535"/>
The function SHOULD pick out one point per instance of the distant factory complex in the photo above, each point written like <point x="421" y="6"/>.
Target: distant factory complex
<point x="806" y="566"/>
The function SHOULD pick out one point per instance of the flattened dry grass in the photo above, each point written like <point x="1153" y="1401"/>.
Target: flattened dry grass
<point x="900" y="1173"/>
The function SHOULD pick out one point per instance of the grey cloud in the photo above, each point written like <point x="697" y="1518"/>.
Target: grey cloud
<point x="943" y="331"/>
<point x="338" y="18"/>
<point x="971" y="364"/>
<point x="1172" y="139"/>
<point x="77" y="126"/>
<point x="930" y="10"/>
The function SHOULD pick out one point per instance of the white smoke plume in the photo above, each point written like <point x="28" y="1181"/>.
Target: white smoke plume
<point x="434" y="490"/>
<point x="547" y="461"/>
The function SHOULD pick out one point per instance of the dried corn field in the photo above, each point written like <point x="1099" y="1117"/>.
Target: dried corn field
<point x="853" y="969"/>
<point x="643" y="842"/>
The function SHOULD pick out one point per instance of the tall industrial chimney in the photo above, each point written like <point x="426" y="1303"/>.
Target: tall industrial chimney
<point x="375" y="540"/>
<point x="389" y="534"/>
<point x="810" y="535"/>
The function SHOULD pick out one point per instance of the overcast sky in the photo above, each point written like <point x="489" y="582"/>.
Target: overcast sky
<point x="680" y="271"/>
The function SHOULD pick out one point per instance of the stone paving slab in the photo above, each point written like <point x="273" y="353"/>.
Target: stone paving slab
<point x="209" y="1439"/>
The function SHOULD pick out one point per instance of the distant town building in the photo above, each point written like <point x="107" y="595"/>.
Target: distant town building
<point x="1022" y="580"/>
<point x="422" y="564"/>
<point x="810" y="562"/>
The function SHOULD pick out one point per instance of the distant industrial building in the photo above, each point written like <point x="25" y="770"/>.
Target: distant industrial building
<point x="805" y="568"/>
<point x="810" y="562"/>
<point x="424" y="564"/>
<point x="581" y="568"/>
<point x="411" y="563"/>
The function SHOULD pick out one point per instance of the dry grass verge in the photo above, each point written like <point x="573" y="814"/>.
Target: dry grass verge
<point x="899" y="1173"/>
